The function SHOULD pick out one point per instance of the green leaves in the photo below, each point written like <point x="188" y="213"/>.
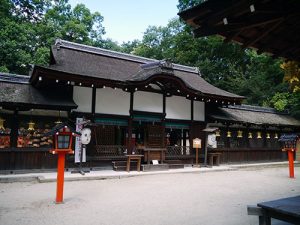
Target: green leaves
<point x="30" y="27"/>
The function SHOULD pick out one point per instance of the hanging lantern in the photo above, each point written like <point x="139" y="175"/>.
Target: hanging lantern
<point x="58" y="122"/>
<point x="258" y="134"/>
<point x="276" y="136"/>
<point x="31" y="126"/>
<point x="218" y="133"/>
<point x="250" y="135"/>
<point x="2" y="124"/>
<point x="268" y="136"/>
<point x="240" y="134"/>
<point x="228" y="134"/>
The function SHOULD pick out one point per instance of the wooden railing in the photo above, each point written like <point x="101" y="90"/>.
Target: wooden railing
<point x="110" y="150"/>
<point x="178" y="151"/>
<point x="230" y="155"/>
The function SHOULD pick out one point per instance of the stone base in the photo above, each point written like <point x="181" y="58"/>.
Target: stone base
<point x="159" y="167"/>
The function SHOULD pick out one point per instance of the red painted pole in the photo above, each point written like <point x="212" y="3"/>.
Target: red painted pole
<point x="291" y="163"/>
<point x="60" y="177"/>
<point x="197" y="157"/>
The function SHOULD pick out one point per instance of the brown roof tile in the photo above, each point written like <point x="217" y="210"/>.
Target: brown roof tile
<point x="22" y="94"/>
<point x="83" y="60"/>
<point x="253" y="115"/>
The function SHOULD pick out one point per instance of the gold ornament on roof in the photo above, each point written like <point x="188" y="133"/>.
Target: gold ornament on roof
<point x="250" y="135"/>
<point x="258" y="134"/>
<point x="2" y="124"/>
<point x="228" y="133"/>
<point x="31" y="126"/>
<point x="240" y="134"/>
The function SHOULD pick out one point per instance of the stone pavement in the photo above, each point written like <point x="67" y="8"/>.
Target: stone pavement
<point x="44" y="177"/>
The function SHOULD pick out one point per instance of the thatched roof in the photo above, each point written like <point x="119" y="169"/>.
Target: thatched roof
<point x="16" y="92"/>
<point x="253" y="115"/>
<point x="92" y="64"/>
<point x="267" y="25"/>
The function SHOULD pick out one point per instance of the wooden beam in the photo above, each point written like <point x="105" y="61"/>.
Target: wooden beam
<point x="129" y="144"/>
<point x="203" y="9"/>
<point x="262" y="34"/>
<point x="93" y="103"/>
<point x="226" y="10"/>
<point x="233" y="36"/>
<point x="236" y="26"/>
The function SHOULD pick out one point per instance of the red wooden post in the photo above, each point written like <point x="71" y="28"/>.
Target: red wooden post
<point x="197" y="145"/>
<point x="197" y="156"/>
<point x="60" y="177"/>
<point x="291" y="162"/>
<point x="62" y="140"/>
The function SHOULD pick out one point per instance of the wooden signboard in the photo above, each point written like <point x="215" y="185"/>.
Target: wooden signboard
<point x="196" y="143"/>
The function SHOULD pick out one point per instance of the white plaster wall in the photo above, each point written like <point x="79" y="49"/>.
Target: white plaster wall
<point x="149" y="102"/>
<point x="82" y="96"/>
<point x="110" y="101"/>
<point x="199" y="111"/>
<point x="178" y="108"/>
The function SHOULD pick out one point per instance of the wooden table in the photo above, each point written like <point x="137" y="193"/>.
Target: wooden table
<point x="134" y="157"/>
<point x="212" y="156"/>
<point x="154" y="153"/>
<point x="285" y="209"/>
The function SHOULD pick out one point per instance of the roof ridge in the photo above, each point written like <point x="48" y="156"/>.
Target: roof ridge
<point x="121" y="55"/>
<point x="255" y="108"/>
<point x="14" y="78"/>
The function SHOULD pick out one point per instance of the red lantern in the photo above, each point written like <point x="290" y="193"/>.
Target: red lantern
<point x="62" y="143"/>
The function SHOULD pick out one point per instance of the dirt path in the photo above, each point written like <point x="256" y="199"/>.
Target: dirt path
<point x="218" y="198"/>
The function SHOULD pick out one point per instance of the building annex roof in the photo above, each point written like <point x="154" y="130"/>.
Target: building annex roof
<point x="253" y="115"/>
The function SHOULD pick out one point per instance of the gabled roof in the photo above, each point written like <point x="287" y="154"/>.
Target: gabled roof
<point x="91" y="63"/>
<point x="267" y="25"/>
<point x="16" y="92"/>
<point x="60" y="126"/>
<point x="253" y="115"/>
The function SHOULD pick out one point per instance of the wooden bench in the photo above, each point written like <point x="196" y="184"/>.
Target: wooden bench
<point x="134" y="157"/>
<point x="262" y="218"/>
<point x="214" y="157"/>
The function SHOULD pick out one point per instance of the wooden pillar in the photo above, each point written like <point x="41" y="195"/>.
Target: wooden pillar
<point x="93" y="103"/>
<point x="129" y="145"/>
<point x="227" y="143"/>
<point x="14" y="129"/>
<point x="264" y="136"/>
<point x="246" y="137"/>
<point x="163" y="122"/>
<point x="191" y="132"/>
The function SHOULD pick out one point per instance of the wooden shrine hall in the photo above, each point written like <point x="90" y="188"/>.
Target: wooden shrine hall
<point x="136" y="105"/>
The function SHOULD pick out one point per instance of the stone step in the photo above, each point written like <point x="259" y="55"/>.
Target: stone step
<point x="121" y="165"/>
<point x="159" y="167"/>
<point x="124" y="163"/>
<point x="174" y="162"/>
<point x="123" y="168"/>
<point x="176" y="166"/>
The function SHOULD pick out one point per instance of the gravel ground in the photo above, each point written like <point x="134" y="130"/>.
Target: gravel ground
<point x="218" y="198"/>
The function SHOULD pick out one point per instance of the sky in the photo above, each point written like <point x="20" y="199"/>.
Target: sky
<point x="126" y="20"/>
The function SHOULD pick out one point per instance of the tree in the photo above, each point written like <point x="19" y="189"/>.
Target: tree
<point x="185" y="4"/>
<point x="30" y="27"/>
<point x="292" y="74"/>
